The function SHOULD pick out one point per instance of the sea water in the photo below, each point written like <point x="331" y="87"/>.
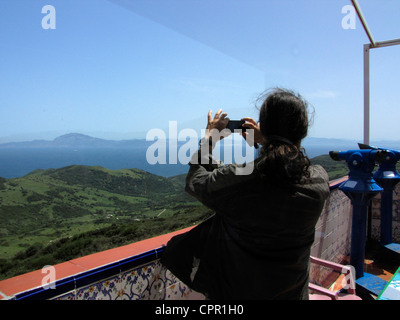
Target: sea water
<point x="17" y="162"/>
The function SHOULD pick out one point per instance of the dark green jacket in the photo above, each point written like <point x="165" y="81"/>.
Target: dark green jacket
<point x="257" y="245"/>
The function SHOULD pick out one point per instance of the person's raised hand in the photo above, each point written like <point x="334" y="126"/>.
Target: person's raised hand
<point x="256" y="136"/>
<point x="219" y="123"/>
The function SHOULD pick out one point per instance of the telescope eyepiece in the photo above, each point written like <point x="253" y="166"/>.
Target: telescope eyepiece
<point x="334" y="155"/>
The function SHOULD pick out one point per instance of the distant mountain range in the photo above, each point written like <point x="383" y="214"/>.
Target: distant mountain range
<point x="82" y="140"/>
<point x="19" y="158"/>
<point x="77" y="140"/>
<point x="311" y="141"/>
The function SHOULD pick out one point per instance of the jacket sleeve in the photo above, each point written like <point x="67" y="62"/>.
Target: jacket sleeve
<point x="207" y="176"/>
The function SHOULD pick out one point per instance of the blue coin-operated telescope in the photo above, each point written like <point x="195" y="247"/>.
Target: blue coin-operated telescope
<point x="387" y="177"/>
<point x="361" y="188"/>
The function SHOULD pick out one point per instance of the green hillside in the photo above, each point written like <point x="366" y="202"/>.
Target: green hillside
<point x="335" y="169"/>
<point x="80" y="210"/>
<point x="50" y="198"/>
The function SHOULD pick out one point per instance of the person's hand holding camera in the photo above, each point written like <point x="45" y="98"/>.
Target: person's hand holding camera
<point x="218" y="123"/>
<point x="256" y="137"/>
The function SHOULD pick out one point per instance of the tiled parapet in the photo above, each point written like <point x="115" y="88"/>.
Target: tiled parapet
<point x="133" y="272"/>
<point x="332" y="232"/>
<point x="151" y="281"/>
<point x="127" y="272"/>
<point x="333" y="229"/>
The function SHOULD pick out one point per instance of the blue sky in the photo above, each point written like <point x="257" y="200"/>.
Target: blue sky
<point x="118" y="68"/>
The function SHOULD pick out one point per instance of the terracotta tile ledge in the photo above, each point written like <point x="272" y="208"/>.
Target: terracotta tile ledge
<point x="337" y="182"/>
<point x="32" y="280"/>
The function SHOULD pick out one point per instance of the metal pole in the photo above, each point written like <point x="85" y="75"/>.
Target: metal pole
<point x="358" y="238"/>
<point x="366" y="94"/>
<point x="387" y="43"/>
<point x="363" y="21"/>
<point x="367" y="48"/>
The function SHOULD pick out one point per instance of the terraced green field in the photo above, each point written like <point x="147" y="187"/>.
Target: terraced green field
<point x="51" y="207"/>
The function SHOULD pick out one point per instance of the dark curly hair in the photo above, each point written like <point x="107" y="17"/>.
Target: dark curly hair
<point x="284" y="123"/>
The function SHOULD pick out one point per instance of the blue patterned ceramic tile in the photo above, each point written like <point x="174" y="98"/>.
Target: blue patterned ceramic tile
<point x="67" y="296"/>
<point x="108" y="289"/>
